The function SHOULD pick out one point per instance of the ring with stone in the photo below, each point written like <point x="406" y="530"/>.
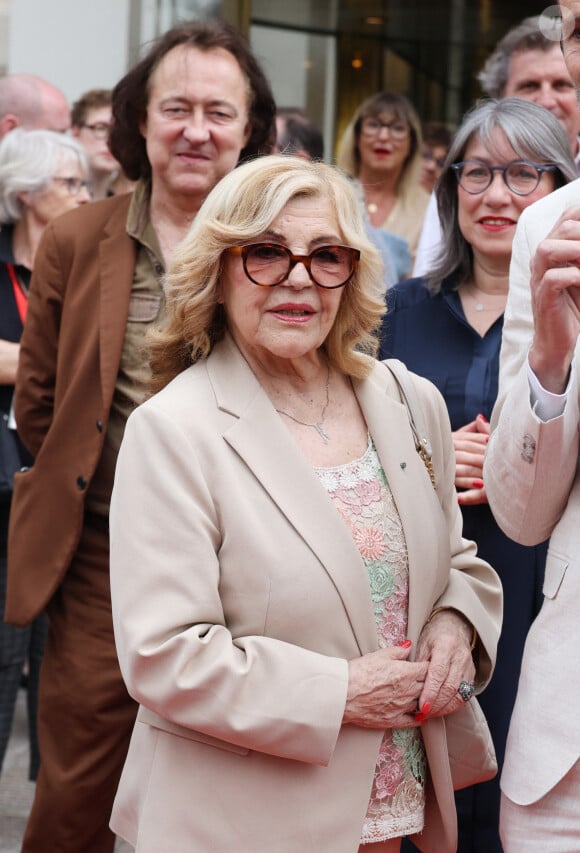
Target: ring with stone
<point x="466" y="690"/>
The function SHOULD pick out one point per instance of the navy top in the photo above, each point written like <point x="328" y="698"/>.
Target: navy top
<point x="10" y="322"/>
<point x="430" y="334"/>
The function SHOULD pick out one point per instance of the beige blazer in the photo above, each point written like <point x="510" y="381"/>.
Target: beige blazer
<point x="533" y="486"/>
<point x="238" y="598"/>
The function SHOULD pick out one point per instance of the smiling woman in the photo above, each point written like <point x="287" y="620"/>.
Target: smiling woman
<point x="381" y="148"/>
<point x="447" y="327"/>
<point x="260" y="575"/>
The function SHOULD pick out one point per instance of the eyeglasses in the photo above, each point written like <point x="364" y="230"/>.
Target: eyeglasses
<point x="100" y="129"/>
<point x="73" y="185"/>
<point x="373" y="126"/>
<point x="269" y="264"/>
<point x="521" y="177"/>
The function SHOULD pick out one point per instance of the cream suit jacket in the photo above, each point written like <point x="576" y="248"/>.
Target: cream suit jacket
<point x="532" y="482"/>
<point x="238" y="598"/>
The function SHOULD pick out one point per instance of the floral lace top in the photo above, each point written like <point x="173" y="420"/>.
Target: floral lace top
<point x="362" y="496"/>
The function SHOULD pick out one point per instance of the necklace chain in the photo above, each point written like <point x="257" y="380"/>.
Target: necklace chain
<point x="479" y="306"/>
<point x="319" y="425"/>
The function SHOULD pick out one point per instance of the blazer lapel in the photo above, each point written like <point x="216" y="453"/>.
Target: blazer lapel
<point x="116" y="268"/>
<point x="259" y="437"/>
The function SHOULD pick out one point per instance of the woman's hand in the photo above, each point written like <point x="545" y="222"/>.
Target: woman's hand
<point x="555" y="288"/>
<point x="470" y="442"/>
<point x="383" y="689"/>
<point x="445" y="643"/>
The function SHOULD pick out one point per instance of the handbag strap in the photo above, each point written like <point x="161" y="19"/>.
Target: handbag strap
<point x="19" y="293"/>
<point x="410" y="398"/>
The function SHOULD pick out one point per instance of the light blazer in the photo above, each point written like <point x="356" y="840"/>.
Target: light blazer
<point x="533" y="486"/>
<point x="238" y="598"/>
<point x="69" y="359"/>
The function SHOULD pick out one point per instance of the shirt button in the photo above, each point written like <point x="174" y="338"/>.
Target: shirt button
<point x="81" y="483"/>
<point x="100" y="426"/>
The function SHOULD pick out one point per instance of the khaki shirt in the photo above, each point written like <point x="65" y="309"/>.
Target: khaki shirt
<point x="146" y="307"/>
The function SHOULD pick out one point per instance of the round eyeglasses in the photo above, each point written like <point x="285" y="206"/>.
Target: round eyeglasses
<point x="520" y="176"/>
<point x="73" y="185"/>
<point x="372" y="127"/>
<point x="269" y="264"/>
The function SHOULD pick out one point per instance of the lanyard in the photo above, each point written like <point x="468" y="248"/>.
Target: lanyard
<point x="19" y="293"/>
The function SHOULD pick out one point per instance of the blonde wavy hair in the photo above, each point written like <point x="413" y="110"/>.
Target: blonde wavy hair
<point x="240" y="209"/>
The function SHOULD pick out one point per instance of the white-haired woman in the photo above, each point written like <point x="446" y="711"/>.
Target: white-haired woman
<point x="294" y="606"/>
<point x="447" y="327"/>
<point x="42" y="174"/>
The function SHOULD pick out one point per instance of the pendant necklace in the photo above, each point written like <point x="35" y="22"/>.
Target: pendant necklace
<point x="319" y="425"/>
<point x="479" y="306"/>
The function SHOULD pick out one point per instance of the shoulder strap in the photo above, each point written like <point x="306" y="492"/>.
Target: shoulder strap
<point x="20" y="294"/>
<point x="410" y="398"/>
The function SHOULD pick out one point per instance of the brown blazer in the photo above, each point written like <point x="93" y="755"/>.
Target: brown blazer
<point x="69" y="359"/>
<point x="238" y="598"/>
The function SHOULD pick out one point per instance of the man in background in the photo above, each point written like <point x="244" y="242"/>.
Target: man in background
<point x="527" y="64"/>
<point x="183" y="117"/>
<point x="91" y="120"/>
<point x="33" y="103"/>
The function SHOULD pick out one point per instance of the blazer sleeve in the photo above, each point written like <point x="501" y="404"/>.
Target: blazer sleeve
<point x="518" y="326"/>
<point x="36" y="375"/>
<point x="177" y="655"/>
<point x="530" y="465"/>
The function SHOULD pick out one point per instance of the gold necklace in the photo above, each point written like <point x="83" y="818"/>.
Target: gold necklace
<point x="319" y="425"/>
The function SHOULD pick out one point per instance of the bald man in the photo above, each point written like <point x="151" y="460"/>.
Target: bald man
<point x="33" y="103"/>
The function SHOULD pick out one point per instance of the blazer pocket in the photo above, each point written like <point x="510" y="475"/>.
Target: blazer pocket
<point x="150" y="718"/>
<point x="555" y="570"/>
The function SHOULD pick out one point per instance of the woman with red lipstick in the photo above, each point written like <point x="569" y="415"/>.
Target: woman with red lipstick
<point x="295" y="609"/>
<point x="381" y="148"/>
<point x="447" y="327"/>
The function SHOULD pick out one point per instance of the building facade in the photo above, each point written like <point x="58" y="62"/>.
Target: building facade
<point x="323" y="56"/>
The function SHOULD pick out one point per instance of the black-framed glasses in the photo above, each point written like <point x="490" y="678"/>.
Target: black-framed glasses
<point x="371" y="126"/>
<point x="73" y="185"/>
<point x="269" y="264"/>
<point x="100" y="129"/>
<point x="520" y="176"/>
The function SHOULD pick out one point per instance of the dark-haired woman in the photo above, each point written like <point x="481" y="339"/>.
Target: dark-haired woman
<point x="447" y="327"/>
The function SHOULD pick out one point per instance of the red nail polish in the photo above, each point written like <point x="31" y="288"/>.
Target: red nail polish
<point x="420" y="717"/>
<point x="478" y="483"/>
<point x="483" y="418"/>
<point x="487" y="437"/>
<point x="426" y="707"/>
<point x="405" y="644"/>
<point x="459" y="499"/>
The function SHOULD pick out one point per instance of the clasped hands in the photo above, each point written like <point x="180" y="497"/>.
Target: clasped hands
<point x="387" y="690"/>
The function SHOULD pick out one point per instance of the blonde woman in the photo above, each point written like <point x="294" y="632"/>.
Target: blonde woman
<point x="381" y="148"/>
<point x="294" y="605"/>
